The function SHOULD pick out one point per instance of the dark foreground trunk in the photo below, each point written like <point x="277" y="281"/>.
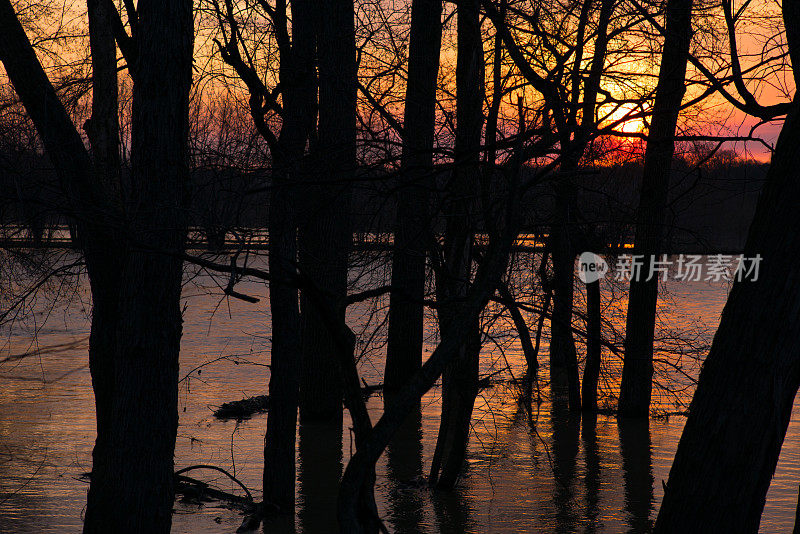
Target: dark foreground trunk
<point x="297" y="73"/>
<point x="637" y="371"/>
<point x="739" y="414"/>
<point x="563" y="355"/>
<point x="319" y="471"/>
<point x="279" y="443"/>
<point x="102" y="129"/>
<point x="137" y="335"/>
<point x="460" y="378"/>
<point x="325" y="236"/>
<point x="591" y="371"/>
<point x="144" y="413"/>
<point x="412" y="232"/>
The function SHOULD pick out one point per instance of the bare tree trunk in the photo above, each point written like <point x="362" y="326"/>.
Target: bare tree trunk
<point x="102" y="129"/>
<point x="319" y="471"/>
<point x="141" y="422"/>
<point x="298" y="78"/>
<point x="591" y="371"/>
<point x="412" y="228"/>
<point x="637" y="371"/>
<point x="741" y="409"/>
<point x="460" y="378"/>
<point x="361" y="466"/>
<point x="563" y="356"/>
<point x="325" y="236"/>
<point x="145" y="408"/>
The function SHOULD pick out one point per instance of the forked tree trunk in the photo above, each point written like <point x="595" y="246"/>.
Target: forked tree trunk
<point x="135" y="474"/>
<point x="412" y="228"/>
<point x="637" y="371"/>
<point x="298" y="75"/>
<point x="325" y="236"/>
<point x="361" y="466"/>
<point x="741" y="409"/>
<point x="460" y="378"/>
<point x="145" y="405"/>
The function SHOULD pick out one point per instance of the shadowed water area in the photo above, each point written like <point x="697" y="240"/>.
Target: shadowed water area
<point x="530" y="468"/>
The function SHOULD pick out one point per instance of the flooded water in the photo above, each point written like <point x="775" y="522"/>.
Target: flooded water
<point x="528" y="470"/>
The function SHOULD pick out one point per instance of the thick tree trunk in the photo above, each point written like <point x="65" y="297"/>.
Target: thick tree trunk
<point x="741" y="409"/>
<point x="284" y="382"/>
<point x="591" y="371"/>
<point x="298" y="78"/>
<point x="135" y="474"/>
<point x="563" y="355"/>
<point x="102" y="129"/>
<point x="145" y="405"/>
<point x="325" y="236"/>
<point x="460" y="379"/>
<point x="412" y="228"/>
<point x="637" y="371"/>
<point x="319" y="472"/>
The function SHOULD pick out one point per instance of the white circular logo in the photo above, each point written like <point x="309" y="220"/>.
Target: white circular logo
<point x="591" y="267"/>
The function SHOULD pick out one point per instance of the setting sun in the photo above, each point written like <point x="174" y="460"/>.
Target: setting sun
<point x="624" y="118"/>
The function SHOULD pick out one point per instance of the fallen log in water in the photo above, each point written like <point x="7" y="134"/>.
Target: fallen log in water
<point x="242" y="409"/>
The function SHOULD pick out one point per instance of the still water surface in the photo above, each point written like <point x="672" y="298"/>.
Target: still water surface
<point x="528" y="471"/>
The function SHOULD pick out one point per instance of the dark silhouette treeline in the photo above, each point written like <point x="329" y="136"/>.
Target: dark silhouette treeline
<point x="710" y="207"/>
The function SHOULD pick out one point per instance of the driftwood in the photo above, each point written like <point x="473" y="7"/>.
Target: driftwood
<point x="245" y="408"/>
<point x="242" y="409"/>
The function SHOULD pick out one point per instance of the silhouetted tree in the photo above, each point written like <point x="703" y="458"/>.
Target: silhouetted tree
<point x="741" y="409"/>
<point x="297" y="78"/>
<point x="325" y="234"/>
<point x="637" y="372"/>
<point x="412" y="235"/>
<point x="460" y="378"/>
<point x="136" y="371"/>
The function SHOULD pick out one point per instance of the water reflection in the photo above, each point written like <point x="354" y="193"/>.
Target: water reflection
<point x="405" y="475"/>
<point x="591" y="480"/>
<point x="637" y="471"/>
<point x="566" y="428"/>
<point x="454" y="511"/>
<point x="319" y="471"/>
<point x="530" y="470"/>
